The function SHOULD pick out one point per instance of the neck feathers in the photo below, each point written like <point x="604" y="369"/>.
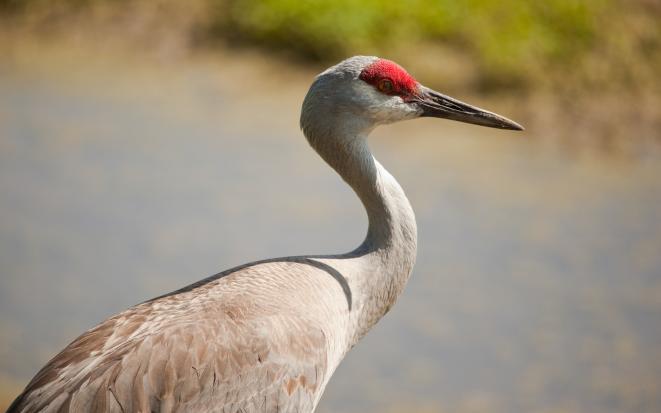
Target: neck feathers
<point x="382" y="264"/>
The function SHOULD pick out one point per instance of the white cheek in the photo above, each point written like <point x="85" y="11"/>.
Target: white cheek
<point x="395" y="109"/>
<point x="384" y="108"/>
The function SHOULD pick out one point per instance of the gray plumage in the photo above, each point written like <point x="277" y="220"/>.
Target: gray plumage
<point x="266" y="336"/>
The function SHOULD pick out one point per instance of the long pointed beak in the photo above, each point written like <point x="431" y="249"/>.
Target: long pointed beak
<point x="434" y="104"/>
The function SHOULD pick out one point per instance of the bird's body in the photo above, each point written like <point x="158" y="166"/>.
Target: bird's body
<point x="266" y="336"/>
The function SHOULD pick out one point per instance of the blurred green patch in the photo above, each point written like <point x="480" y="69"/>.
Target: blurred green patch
<point x="510" y="42"/>
<point x="485" y="44"/>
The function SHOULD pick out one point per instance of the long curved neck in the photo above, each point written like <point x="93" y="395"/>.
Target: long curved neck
<point x="382" y="264"/>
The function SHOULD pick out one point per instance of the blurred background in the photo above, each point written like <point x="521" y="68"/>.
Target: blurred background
<point x="147" y="144"/>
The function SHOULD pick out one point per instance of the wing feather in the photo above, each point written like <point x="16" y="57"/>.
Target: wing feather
<point x="184" y="353"/>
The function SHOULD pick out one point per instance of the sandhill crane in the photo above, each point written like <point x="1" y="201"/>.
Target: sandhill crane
<point x="268" y="335"/>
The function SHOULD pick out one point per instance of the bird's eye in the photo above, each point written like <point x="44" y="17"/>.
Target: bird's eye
<point x="385" y="86"/>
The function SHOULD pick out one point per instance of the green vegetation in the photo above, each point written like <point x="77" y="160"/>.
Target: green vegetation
<point x="505" y="38"/>
<point x="511" y="42"/>
<point x="507" y="43"/>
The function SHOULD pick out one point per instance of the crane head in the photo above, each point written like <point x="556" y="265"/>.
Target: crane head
<point x="364" y="91"/>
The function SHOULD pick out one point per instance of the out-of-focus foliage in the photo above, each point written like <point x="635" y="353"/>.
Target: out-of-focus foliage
<point x="487" y="43"/>
<point x="510" y="41"/>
